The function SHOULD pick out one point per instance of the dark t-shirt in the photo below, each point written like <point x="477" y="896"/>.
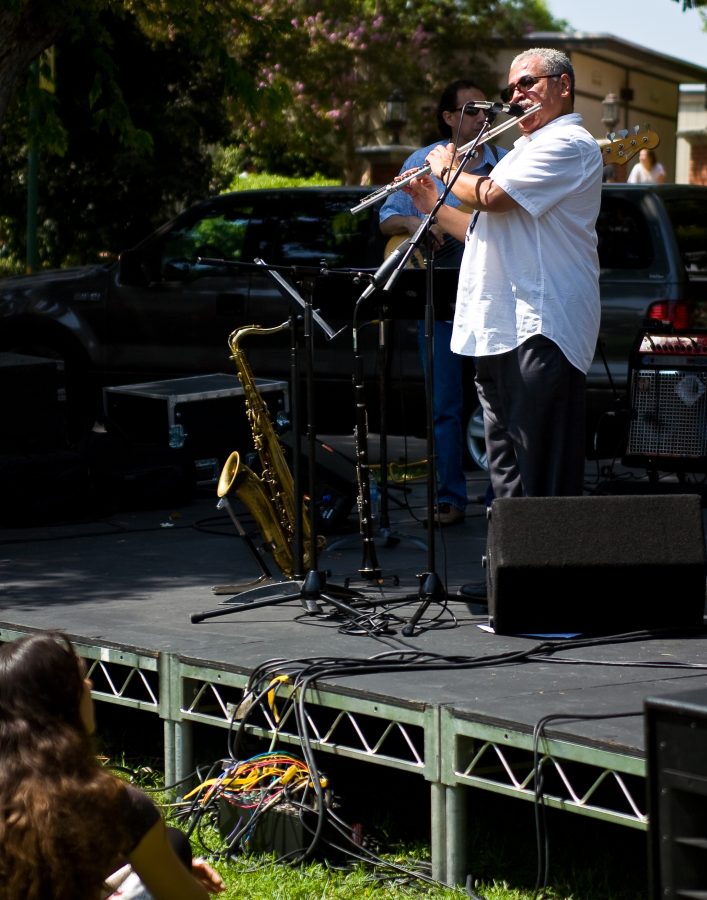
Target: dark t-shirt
<point x="139" y="814"/>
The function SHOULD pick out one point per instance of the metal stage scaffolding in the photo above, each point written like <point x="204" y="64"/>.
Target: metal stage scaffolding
<point x="449" y="748"/>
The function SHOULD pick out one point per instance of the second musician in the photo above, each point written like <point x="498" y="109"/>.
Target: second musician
<point x="528" y="305"/>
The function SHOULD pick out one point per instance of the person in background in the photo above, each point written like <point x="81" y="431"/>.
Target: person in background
<point x="528" y="305"/>
<point x="400" y="217"/>
<point x="647" y="170"/>
<point x="66" y="823"/>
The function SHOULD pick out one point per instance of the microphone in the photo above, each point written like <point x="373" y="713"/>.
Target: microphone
<point x="511" y="109"/>
<point x="384" y="271"/>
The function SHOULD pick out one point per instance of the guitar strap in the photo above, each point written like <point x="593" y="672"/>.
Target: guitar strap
<point x="486" y="168"/>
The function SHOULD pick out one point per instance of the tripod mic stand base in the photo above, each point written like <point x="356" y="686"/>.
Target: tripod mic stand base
<point x="269" y="594"/>
<point x="312" y="591"/>
<point x="431" y="591"/>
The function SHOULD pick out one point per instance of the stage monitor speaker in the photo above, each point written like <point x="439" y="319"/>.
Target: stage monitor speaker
<point x="668" y="402"/>
<point x="336" y="486"/>
<point x="595" y="565"/>
<point x="676" y="754"/>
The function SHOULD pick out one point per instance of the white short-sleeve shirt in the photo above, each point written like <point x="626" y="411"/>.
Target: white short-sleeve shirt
<point x="535" y="269"/>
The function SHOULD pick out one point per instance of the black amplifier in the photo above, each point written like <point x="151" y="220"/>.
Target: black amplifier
<point x="668" y="402"/>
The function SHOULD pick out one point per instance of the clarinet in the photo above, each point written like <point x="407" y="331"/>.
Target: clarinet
<point x="369" y="568"/>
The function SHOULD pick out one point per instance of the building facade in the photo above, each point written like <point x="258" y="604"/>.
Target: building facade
<point x="691" y="151"/>
<point x="649" y="88"/>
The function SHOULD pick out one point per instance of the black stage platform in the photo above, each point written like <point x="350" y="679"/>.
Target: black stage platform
<point x="458" y="705"/>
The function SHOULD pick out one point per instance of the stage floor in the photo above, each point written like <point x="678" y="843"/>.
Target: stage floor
<point x="131" y="581"/>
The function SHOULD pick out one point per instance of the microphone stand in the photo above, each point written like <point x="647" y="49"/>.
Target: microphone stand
<point x="431" y="589"/>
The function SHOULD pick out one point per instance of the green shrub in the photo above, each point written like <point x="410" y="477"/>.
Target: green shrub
<point x="247" y="181"/>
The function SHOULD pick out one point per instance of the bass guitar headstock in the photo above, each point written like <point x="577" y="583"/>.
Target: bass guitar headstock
<point x="619" y="147"/>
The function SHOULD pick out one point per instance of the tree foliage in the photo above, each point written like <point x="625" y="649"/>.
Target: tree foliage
<point x="125" y="131"/>
<point x="325" y="68"/>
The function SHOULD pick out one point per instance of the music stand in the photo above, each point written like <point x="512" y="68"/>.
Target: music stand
<point x="311" y="588"/>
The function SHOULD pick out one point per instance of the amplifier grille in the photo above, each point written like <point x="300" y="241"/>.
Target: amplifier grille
<point x="669" y="413"/>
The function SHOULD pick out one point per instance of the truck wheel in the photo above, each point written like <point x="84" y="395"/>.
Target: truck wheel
<point x="475" y="442"/>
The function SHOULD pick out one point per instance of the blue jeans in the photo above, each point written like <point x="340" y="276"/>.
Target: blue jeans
<point x="447" y="413"/>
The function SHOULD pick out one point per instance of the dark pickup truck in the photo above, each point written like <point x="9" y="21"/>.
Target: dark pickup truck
<point x="165" y="309"/>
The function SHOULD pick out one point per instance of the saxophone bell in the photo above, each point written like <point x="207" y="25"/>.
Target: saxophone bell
<point x="229" y="473"/>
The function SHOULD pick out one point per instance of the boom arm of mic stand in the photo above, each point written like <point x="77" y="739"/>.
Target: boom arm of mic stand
<point x="422" y="232"/>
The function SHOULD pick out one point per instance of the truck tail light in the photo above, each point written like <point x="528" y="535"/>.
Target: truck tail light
<point x="670" y="312"/>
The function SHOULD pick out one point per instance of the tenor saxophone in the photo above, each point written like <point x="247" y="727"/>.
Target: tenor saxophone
<point x="269" y="497"/>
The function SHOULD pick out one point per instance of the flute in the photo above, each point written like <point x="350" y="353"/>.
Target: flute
<point x="388" y="189"/>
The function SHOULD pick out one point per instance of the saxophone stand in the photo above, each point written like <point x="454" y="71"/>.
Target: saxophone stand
<point x="310" y="588"/>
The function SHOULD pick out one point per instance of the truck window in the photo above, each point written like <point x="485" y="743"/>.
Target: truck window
<point x="623" y="235"/>
<point x="689" y="221"/>
<point x="322" y="228"/>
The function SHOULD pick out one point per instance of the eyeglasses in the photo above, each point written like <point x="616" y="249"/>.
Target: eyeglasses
<point x="468" y="110"/>
<point x="525" y="83"/>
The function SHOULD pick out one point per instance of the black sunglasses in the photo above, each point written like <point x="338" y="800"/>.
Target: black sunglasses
<point x="468" y="110"/>
<point x="524" y="83"/>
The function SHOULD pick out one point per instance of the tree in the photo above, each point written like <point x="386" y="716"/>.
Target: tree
<point x="126" y="134"/>
<point x="134" y="157"/>
<point x="29" y="27"/>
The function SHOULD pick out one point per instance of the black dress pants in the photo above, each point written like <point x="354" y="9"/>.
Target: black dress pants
<point x="534" y="420"/>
